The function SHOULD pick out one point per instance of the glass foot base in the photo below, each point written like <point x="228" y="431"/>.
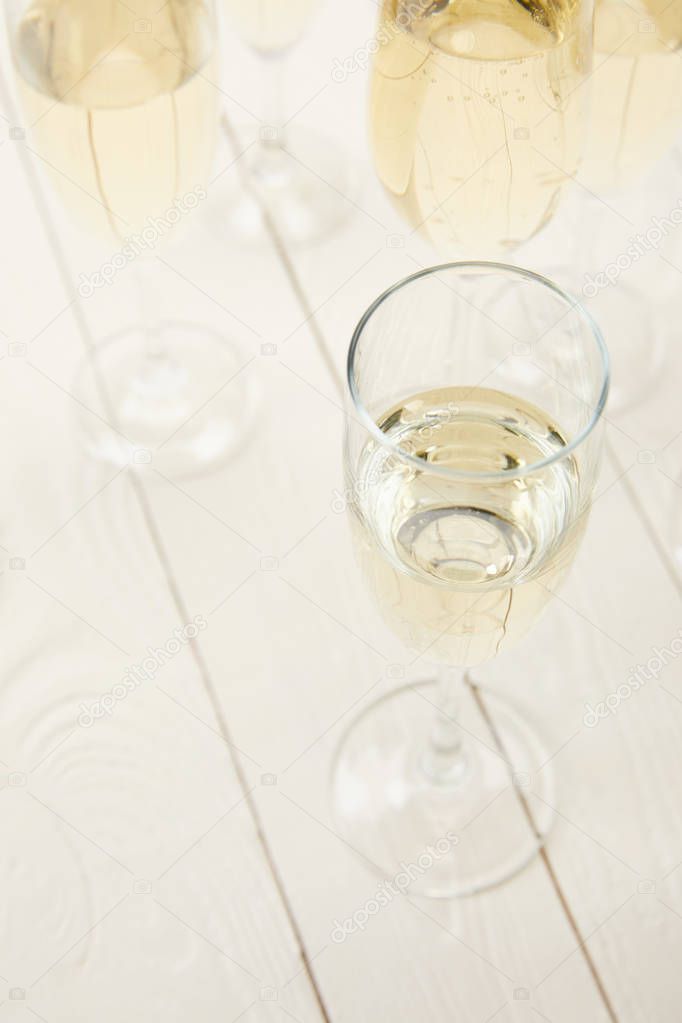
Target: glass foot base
<point x="453" y="837"/>
<point x="173" y="400"/>
<point x="303" y="185"/>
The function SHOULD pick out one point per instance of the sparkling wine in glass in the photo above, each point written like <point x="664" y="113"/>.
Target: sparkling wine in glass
<point x="636" y="90"/>
<point x="477" y="115"/>
<point x="298" y="179"/>
<point x="635" y="117"/>
<point x="471" y="454"/>
<point x="121" y="106"/>
<point x="122" y="112"/>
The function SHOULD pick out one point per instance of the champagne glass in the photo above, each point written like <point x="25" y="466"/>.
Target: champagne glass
<point x="638" y="69"/>
<point x="635" y="116"/>
<point x="471" y="453"/>
<point x="124" y="113"/>
<point x="300" y="179"/>
<point x="477" y="116"/>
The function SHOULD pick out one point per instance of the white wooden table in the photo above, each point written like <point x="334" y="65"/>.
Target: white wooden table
<point x="177" y="860"/>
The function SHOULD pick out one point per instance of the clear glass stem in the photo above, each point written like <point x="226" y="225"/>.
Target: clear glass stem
<point x="271" y="167"/>
<point x="273" y="100"/>
<point x="445" y="760"/>
<point x="161" y="381"/>
<point x="148" y="311"/>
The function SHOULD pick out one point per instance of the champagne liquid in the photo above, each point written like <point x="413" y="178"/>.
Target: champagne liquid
<point x="121" y="113"/>
<point x="461" y="568"/>
<point x="462" y="100"/>
<point x="270" y="25"/>
<point x="636" y="89"/>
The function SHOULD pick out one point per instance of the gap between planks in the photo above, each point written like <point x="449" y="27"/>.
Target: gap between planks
<point x="166" y="566"/>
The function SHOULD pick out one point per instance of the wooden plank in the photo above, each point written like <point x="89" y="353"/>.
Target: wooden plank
<point x="137" y="882"/>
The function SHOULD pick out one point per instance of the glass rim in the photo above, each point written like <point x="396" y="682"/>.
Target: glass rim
<point x="462" y="474"/>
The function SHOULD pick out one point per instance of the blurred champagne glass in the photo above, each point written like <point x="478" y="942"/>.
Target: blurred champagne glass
<point x="477" y="117"/>
<point x="123" y="113"/>
<point x="300" y="178"/>
<point x="635" y="117"/>
<point x="636" y="102"/>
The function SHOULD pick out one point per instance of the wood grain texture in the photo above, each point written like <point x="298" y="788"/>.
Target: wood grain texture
<point x="179" y="856"/>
